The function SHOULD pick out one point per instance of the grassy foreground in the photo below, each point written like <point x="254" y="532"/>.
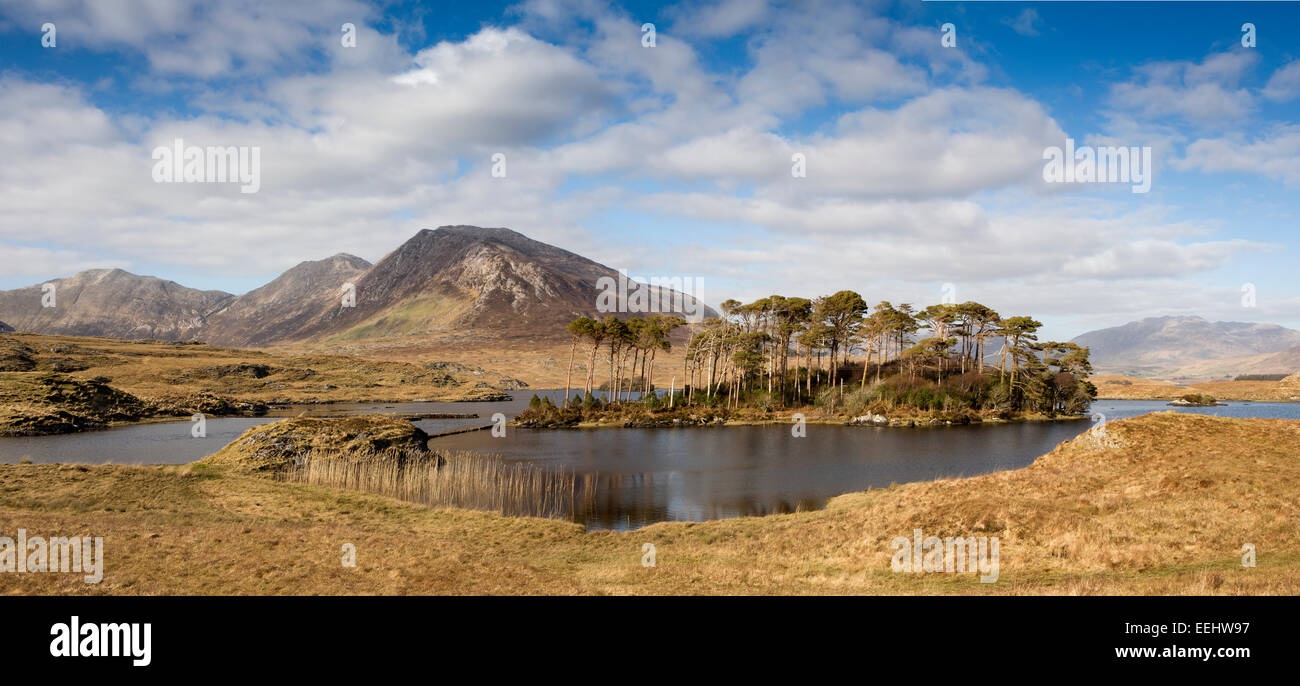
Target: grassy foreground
<point x="1164" y="506"/>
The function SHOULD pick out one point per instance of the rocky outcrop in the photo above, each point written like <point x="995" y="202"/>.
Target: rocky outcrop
<point x="41" y="404"/>
<point x="276" y="446"/>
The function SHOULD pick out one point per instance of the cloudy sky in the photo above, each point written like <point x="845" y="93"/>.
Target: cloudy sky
<point x="924" y="163"/>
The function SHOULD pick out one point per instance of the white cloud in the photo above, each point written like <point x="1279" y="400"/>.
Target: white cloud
<point x="1203" y="93"/>
<point x="38" y="263"/>
<point x="207" y="38"/>
<point x="723" y="18"/>
<point x="1157" y="258"/>
<point x="1276" y="155"/>
<point x="1284" y="84"/>
<point x="1026" y="23"/>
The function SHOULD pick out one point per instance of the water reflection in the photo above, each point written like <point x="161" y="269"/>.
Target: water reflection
<point x="627" y="478"/>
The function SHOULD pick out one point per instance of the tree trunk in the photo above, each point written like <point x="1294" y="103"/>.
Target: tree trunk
<point x="591" y="366"/>
<point x="569" y="374"/>
<point x="611" y="394"/>
<point x="866" y="363"/>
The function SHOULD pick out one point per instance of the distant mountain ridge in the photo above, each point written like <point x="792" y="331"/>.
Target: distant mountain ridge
<point x="111" y="302"/>
<point x="1192" y="346"/>
<point x="448" y="280"/>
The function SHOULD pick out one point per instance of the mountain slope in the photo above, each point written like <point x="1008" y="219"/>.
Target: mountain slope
<point x="464" y="278"/>
<point x="111" y="302"/>
<point x="1285" y="362"/>
<point x="277" y="310"/>
<point x="1170" y="345"/>
<point x="5" y="328"/>
<point x="452" y="280"/>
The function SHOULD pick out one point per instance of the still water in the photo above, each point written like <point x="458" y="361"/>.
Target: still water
<point x="641" y="476"/>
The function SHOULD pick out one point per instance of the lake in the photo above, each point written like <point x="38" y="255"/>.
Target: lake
<point x="642" y="476"/>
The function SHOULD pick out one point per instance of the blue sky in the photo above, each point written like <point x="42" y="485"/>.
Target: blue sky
<point x="924" y="162"/>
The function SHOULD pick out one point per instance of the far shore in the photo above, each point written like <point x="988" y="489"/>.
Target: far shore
<point x="1118" y="387"/>
<point x="840" y="420"/>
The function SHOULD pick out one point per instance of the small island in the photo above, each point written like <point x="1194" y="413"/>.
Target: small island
<point x="1197" y="400"/>
<point x="784" y="358"/>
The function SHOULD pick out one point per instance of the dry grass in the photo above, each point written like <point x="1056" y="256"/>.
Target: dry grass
<point x="540" y="361"/>
<point x="457" y="479"/>
<point x="1165" y="509"/>
<point x="1136" y="388"/>
<point x="158" y="370"/>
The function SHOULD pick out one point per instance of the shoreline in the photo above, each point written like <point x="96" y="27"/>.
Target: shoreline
<point x="1222" y="401"/>
<point x="819" y="421"/>
<point x="843" y="420"/>
<point x="1125" y="518"/>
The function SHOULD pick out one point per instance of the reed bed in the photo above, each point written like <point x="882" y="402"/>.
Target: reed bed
<point x="444" y="479"/>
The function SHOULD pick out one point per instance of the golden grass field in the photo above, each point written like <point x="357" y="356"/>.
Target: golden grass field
<point x="541" y="361"/>
<point x="159" y="370"/>
<point x="1137" y="388"/>
<point x="1164" y="509"/>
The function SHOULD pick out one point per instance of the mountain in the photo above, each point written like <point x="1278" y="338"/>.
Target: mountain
<point x="279" y="309"/>
<point x="1189" y="346"/>
<point x="450" y="280"/>
<point x="111" y="302"/>
<point x="468" y="279"/>
<point x="5" y="328"/>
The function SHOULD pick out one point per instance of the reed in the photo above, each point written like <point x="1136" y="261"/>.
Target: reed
<point x="451" y="479"/>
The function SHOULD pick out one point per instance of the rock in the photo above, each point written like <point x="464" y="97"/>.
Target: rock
<point x="275" y="446"/>
<point x="33" y="405"/>
<point x="221" y="371"/>
<point x="16" y="357"/>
